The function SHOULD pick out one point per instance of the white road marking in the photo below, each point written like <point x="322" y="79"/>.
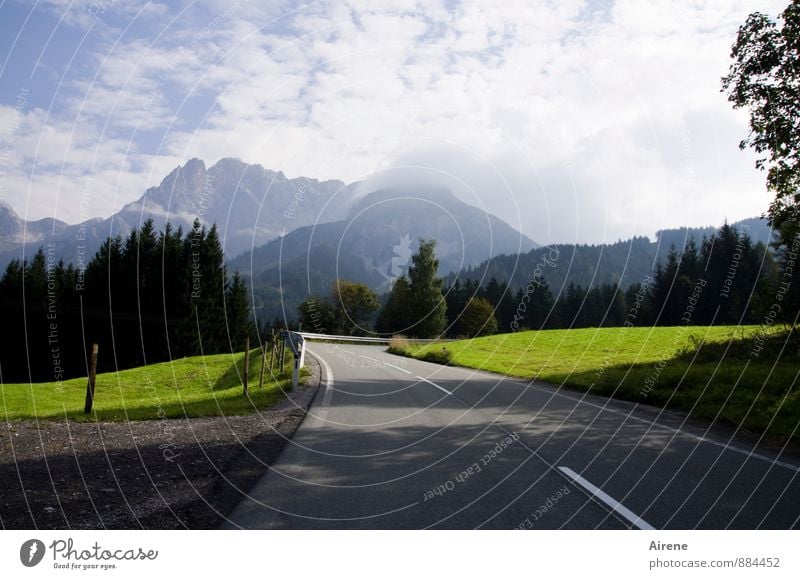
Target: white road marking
<point x="554" y="390"/>
<point x="614" y="505"/>
<point x="397" y="367"/>
<point x="326" y="399"/>
<point x="434" y="384"/>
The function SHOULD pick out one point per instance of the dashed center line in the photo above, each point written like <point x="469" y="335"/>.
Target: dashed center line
<point x="434" y="384"/>
<point x="601" y="496"/>
<point x="397" y="367"/>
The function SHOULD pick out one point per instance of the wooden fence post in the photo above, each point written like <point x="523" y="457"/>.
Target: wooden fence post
<point x="87" y="407"/>
<point x="272" y="353"/>
<point x="246" y="363"/>
<point x="263" y="363"/>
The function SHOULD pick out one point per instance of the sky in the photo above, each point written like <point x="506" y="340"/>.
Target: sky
<point x="579" y="121"/>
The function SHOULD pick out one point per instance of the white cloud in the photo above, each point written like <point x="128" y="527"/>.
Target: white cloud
<point x="572" y="120"/>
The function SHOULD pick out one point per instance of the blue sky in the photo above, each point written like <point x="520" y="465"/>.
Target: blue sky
<point x="573" y="121"/>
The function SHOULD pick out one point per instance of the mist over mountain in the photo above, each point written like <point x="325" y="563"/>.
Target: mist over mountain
<point x="294" y="237"/>
<point x="374" y="244"/>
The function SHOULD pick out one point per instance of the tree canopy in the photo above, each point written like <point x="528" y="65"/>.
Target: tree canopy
<point x="150" y="297"/>
<point x="349" y="310"/>
<point x="764" y="78"/>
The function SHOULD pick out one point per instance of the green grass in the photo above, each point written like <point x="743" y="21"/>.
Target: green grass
<point x="708" y="371"/>
<point x="189" y="387"/>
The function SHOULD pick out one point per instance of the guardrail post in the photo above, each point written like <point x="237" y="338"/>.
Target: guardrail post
<point x="299" y="350"/>
<point x="296" y="373"/>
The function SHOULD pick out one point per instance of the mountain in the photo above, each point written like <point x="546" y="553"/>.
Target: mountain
<point x="374" y="244"/>
<point x="335" y="231"/>
<point x="250" y="205"/>
<point x="14" y="230"/>
<point x="624" y="262"/>
<point x="756" y="227"/>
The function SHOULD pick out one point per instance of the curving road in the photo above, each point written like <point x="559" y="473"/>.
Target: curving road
<point x="397" y="443"/>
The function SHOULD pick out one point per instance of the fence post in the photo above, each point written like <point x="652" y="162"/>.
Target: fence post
<point x="87" y="407"/>
<point x="246" y="363"/>
<point x="272" y="353"/>
<point x="263" y="363"/>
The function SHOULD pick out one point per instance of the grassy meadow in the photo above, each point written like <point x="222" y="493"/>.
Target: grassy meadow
<point x="188" y="387"/>
<point x="735" y="375"/>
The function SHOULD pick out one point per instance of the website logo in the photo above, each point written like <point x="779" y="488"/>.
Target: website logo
<point x="32" y="552"/>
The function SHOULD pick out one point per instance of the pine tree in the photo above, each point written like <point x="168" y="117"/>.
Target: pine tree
<point x="493" y="292"/>
<point x="540" y="309"/>
<point x="12" y="354"/>
<point x="211" y="287"/>
<point x="456" y="301"/>
<point x="394" y="317"/>
<point x="238" y="318"/>
<point x="175" y="291"/>
<point x="690" y="261"/>
<point x="614" y="304"/>
<point x="667" y="291"/>
<point x="569" y="307"/>
<point x="426" y="303"/>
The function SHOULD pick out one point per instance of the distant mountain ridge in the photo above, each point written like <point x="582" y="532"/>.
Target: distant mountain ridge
<point x="292" y="237"/>
<point x="250" y="205"/>
<point x="14" y="230"/>
<point x="374" y="243"/>
<point x="756" y="227"/>
<point x="589" y="265"/>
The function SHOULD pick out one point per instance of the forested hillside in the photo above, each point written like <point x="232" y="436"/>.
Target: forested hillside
<point x="150" y="297"/>
<point x="723" y="279"/>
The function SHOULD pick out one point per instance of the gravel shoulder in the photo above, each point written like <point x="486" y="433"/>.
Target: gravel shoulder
<point x="156" y="474"/>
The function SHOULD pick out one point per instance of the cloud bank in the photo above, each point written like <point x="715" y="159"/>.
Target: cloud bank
<point x="573" y="121"/>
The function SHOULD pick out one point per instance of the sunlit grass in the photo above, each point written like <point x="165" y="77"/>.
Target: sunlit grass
<point x="189" y="387"/>
<point x="709" y="371"/>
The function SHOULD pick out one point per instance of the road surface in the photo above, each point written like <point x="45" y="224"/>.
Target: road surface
<point x="396" y="443"/>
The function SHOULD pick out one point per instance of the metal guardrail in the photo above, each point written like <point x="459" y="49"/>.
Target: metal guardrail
<point x="333" y="338"/>
<point x="297" y="341"/>
<point x="365" y="339"/>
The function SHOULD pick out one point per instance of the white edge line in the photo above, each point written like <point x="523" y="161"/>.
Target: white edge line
<point x="435" y="384"/>
<point x="614" y="505"/>
<point x="326" y="399"/>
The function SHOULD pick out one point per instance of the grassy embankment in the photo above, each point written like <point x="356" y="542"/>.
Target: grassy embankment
<point x="189" y="387"/>
<point x="715" y="373"/>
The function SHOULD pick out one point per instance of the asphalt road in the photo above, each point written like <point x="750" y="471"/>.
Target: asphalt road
<point x="397" y="443"/>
